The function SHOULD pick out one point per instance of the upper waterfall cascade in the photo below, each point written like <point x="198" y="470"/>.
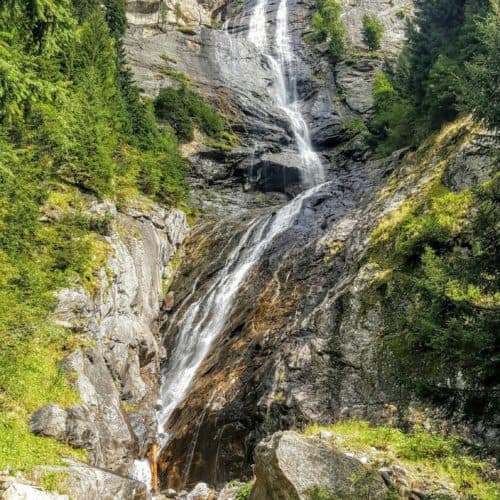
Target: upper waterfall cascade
<point x="282" y="61"/>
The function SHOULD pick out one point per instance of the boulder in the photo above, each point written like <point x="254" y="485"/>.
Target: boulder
<point x="291" y="466"/>
<point x="355" y="81"/>
<point x="83" y="482"/>
<point x="17" y="490"/>
<point x="49" y="421"/>
<point x="279" y="171"/>
<point x="200" y="492"/>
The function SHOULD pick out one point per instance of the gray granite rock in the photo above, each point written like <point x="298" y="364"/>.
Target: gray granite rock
<point x="121" y="365"/>
<point x="289" y="465"/>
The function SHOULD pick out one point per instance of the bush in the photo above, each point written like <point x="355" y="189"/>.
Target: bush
<point x="448" y="65"/>
<point x="327" y="25"/>
<point x="427" y="456"/>
<point x="390" y="126"/>
<point x="244" y="492"/>
<point x="184" y="109"/>
<point x="441" y="298"/>
<point x="373" y="30"/>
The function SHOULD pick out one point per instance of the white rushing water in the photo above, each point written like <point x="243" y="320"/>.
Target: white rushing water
<point x="283" y="61"/>
<point x="205" y="318"/>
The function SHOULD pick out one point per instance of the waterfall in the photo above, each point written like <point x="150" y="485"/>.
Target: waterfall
<point x="282" y="62"/>
<point x="205" y="318"/>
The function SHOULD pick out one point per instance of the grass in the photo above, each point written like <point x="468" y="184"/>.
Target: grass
<point x="57" y="254"/>
<point x="30" y="378"/>
<point x="424" y="455"/>
<point x="55" y="481"/>
<point x="244" y="492"/>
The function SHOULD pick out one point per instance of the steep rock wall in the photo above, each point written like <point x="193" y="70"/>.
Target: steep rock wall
<point x="116" y="371"/>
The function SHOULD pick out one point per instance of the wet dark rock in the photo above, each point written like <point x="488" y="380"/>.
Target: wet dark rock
<point x="278" y="171"/>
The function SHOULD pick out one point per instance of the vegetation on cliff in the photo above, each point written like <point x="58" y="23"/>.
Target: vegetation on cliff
<point x="373" y="31"/>
<point x="450" y="65"/>
<point x="73" y="128"/>
<point x="327" y="26"/>
<point x="183" y="109"/>
<point x="427" y="459"/>
<point x="440" y="286"/>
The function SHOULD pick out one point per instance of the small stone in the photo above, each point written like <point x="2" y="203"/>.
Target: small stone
<point x="386" y="476"/>
<point x="402" y="481"/>
<point x="326" y="435"/>
<point x="200" y="492"/>
<point x="169" y="301"/>
<point x="50" y="421"/>
<point x="400" y="470"/>
<point x="419" y="493"/>
<point x="417" y="484"/>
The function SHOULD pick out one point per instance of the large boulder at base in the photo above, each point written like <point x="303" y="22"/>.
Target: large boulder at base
<point x="289" y="466"/>
<point x="83" y="482"/>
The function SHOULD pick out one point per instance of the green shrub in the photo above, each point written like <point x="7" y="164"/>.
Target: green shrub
<point x="441" y="298"/>
<point x="373" y="31"/>
<point x="184" y="109"/>
<point x="390" y="125"/>
<point x="449" y="65"/>
<point x="244" y="492"/>
<point x="327" y="25"/>
<point x="425" y="455"/>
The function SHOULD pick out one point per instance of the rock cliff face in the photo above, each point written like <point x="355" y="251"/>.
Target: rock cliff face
<point x="301" y="343"/>
<point x="116" y="371"/>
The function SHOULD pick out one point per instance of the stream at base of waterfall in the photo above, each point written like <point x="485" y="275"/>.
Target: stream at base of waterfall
<point x="205" y="318"/>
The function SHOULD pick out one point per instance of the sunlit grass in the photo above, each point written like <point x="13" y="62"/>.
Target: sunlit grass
<point x="423" y="454"/>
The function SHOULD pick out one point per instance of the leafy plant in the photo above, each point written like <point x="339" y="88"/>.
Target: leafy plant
<point x="327" y="26"/>
<point x="373" y="31"/>
<point x="442" y="297"/>
<point x="448" y="66"/>
<point x="184" y="109"/>
<point x="244" y="492"/>
<point x="438" y="458"/>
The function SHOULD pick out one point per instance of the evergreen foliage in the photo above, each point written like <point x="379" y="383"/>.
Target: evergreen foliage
<point x="449" y="65"/>
<point x="327" y="26"/>
<point x="184" y="109"/>
<point x="442" y="301"/>
<point x="373" y="31"/>
<point x="72" y="123"/>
